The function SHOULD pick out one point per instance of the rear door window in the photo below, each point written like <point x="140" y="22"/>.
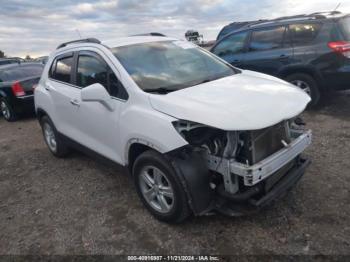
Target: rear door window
<point x="267" y="39"/>
<point x="62" y="68"/>
<point x="231" y="45"/>
<point x="302" y="34"/>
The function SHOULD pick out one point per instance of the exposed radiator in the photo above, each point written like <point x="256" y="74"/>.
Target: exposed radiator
<point x="259" y="144"/>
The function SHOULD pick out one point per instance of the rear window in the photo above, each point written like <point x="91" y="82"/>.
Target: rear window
<point x="302" y="34"/>
<point x="21" y="72"/>
<point x="345" y="27"/>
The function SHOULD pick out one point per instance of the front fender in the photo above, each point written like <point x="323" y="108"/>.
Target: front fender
<point x="148" y="127"/>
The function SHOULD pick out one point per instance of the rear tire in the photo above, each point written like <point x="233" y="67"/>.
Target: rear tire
<point x="7" y="111"/>
<point x="308" y="84"/>
<point x="52" y="139"/>
<point x="159" y="188"/>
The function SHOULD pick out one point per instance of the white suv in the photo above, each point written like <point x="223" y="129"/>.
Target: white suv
<point x="197" y="134"/>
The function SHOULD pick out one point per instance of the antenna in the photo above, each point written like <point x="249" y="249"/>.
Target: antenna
<point x="337" y="6"/>
<point x="78" y="33"/>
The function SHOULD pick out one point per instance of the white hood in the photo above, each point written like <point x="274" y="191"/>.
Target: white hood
<point x="246" y="101"/>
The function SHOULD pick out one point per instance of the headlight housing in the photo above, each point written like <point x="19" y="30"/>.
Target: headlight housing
<point x="217" y="142"/>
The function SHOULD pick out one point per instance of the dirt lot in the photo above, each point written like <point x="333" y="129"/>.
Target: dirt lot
<point x="80" y="206"/>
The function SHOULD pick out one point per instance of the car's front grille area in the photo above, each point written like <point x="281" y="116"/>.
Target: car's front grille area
<point x="260" y="144"/>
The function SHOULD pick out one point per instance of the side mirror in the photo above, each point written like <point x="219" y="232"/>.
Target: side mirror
<point x="97" y="93"/>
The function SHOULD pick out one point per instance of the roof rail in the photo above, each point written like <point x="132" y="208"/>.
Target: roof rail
<point x="86" y="40"/>
<point x="151" y="34"/>
<point x="317" y="15"/>
<point x="327" y="13"/>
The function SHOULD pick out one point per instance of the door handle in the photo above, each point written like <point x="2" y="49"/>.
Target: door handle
<point x="48" y="86"/>
<point x="74" y="102"/>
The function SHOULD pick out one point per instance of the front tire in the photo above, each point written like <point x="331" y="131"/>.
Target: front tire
<point x="52" y="139"/>
<point x="159" y="188"/>
<point x="308" y="85"/>
<point x="7" y="111"/>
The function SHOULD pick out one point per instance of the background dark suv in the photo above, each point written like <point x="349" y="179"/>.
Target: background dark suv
<point x="310" y="51"/>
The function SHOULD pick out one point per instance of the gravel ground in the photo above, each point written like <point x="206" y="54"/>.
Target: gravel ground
<point x="80" y="206"/>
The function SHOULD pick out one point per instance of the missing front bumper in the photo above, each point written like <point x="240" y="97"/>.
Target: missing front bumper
<point x="254" y="174"/>
<point x="236" y="205"/>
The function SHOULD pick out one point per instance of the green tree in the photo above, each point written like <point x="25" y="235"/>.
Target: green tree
<point x="28" y="57"/>
<point x="2" y="54"/>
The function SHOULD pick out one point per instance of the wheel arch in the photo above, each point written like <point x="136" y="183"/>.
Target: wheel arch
<point x="40" y="113"/>
<point x="134" y="149"/>
<point x="308" y="70"/>
<point x="190" y="169"/>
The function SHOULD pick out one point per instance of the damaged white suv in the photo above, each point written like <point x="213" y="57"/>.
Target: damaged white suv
<point x="196" y="134"/>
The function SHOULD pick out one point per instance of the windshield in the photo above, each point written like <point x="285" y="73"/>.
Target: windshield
<point x="170" y="65"/>
<point x="345" y="27"/>
<point x="20" y="72"/>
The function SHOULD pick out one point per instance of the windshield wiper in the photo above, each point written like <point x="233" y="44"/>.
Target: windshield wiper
<point x="204" y="81"/>
<point x="160" y="90"/>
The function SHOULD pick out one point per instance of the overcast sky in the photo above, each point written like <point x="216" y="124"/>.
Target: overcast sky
<point x="36" y="27"/>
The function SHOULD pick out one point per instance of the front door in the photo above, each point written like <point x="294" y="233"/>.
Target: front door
<point x="98" y="127"/>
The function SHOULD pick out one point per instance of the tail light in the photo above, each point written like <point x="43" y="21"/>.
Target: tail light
<point x="342" y="47"/>
<point x="17" y="89"/>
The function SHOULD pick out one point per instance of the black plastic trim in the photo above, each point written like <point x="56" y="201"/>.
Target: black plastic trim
<point x="86" y="40"/>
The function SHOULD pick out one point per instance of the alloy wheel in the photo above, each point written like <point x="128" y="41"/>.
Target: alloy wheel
<point x="5" y="110"/>
<point x="50" y="137"/>
<point x="156" y="189"/>
<point x="303" y="86"/>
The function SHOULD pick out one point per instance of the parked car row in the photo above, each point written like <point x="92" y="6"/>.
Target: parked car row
<point x="310" y="51"/>
<point x="17" y="82"/>
<point x="11" y="60"/>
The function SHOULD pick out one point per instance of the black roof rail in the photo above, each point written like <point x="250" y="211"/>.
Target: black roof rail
<point x="320" y="15"/>
<point x="86" y="40"/>
<point x="151" y="34"/>
<point x="327" y="13"/>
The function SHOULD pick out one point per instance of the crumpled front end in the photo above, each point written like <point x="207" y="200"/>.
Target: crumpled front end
<point x="249" y="169"/>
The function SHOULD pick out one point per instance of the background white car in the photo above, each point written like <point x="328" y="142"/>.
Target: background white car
<point x="197" y="134"/>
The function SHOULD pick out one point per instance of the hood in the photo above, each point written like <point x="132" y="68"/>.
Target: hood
<point x="245" y="101"/>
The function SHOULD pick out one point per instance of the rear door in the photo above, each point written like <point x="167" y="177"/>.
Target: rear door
<point x="307" y="42"/>
<point x="232" y="48"/>
<point x="269" y="50"/>
<point x="64" y="95"/>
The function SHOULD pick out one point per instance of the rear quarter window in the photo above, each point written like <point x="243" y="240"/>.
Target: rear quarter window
<point x="303" y="34"/>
